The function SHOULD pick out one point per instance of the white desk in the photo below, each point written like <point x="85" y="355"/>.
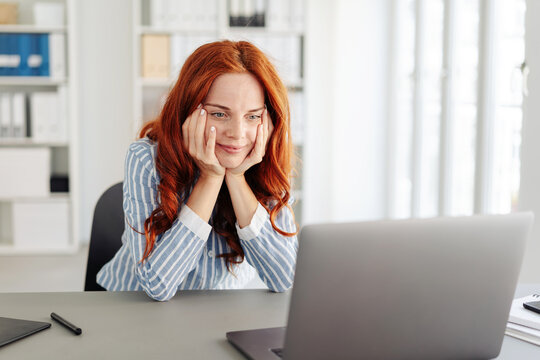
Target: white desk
<point x="129" y="325"/>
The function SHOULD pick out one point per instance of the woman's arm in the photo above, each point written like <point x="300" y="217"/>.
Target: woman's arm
<point x="273" y="255"/>
<point x="178" y="249"/>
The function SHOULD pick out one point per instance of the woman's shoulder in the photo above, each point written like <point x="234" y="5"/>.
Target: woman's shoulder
<point x="143" y="150"/>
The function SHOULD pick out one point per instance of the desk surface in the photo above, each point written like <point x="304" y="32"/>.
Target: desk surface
<point x="192" y="325"/>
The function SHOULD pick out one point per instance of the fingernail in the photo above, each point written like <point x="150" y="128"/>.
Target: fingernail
<point x="202" y="111"/>
<point x="212" y="129"/>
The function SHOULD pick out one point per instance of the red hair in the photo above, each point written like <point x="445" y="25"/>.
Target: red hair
<point x="269" y="180"/>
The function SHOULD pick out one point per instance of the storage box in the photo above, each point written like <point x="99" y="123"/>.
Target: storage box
<point x="48" y="14"/>
<point x="25" y="172"/>
<point x="8" y="13"/>
<point x="41" y="223"/>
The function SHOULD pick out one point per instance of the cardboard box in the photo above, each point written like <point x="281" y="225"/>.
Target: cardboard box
<point x="8" y="13"/>
<point x="25" y="172"/>
<point x="155" y="56"/>
<point x="41" y="223"/>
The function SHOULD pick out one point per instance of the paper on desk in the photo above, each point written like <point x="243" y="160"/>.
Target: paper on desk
<point x="520" y="315"/>
<point x="523" y="333"/>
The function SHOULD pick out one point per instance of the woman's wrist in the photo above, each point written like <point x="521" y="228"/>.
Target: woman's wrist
<point x="211" y="178"/>
<point x="230" y="176"/>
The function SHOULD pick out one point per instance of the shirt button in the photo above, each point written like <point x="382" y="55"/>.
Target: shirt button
<point x="211" y="253"/>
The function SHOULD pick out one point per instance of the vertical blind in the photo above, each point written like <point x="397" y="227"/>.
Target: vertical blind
<point x="455" y="106"/>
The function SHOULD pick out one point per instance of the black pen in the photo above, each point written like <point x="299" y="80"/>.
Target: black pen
<point x="67" y="324"/>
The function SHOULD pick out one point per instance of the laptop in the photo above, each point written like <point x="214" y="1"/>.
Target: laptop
<point x="399" y="289"/>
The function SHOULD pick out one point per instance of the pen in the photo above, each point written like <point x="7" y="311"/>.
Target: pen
<point x="67" y="324"/>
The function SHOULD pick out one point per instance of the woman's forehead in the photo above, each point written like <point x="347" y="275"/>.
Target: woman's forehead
<point x="240" y="91"/>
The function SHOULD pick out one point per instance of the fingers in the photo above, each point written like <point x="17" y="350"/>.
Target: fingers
<point x="199" y="131"/>
<point x="189" y="129"/>
<point x="265" y="125"/>
<point x="268" y="126"/>
<point x="211" y="143"/>
<point x="260" y="142"/>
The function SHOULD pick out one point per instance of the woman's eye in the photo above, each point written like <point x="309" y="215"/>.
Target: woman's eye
<point x="218" y="115"/>
<point x="254" y="117"/>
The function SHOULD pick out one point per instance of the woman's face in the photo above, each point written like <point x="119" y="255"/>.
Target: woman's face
<point x="234" y="104"/>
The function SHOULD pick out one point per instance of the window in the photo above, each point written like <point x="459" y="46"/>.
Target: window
<point x="455" y="118"/>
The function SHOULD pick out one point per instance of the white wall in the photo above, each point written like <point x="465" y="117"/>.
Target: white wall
<point x="346" y="61"/>
<point x="529" y="194"/>
<point x="105" y="98"/>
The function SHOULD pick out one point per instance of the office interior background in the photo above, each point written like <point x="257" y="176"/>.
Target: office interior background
<point x="400" y="108"/>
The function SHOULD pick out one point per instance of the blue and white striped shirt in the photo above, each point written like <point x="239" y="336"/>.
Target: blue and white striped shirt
<point x="185" y="256"/>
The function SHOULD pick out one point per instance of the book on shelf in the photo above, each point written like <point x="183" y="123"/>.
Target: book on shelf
<point x="247" y="13"/>
<point x="18" y="115"/>
<point x="48" y="116"/>
<point x="29" y="54"/>
<point x="8" y="13"/>
<point x="285" y="52"/>
<point x="155" y="56"/>
<point x="522" y="323"/>
<point x="12" y="115"/>
<point x="296" y="100"/>
<point x="184" y="14"/>
<point x="181" y="47"/>
<point x="5" y="116"/>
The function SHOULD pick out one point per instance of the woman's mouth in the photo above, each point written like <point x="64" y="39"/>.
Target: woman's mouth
<point x="231" y="149"/>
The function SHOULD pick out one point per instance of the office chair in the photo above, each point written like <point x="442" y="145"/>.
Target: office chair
<point x="105" y="239"/>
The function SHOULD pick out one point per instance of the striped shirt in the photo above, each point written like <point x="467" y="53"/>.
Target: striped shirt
<point x="186" y="255"/>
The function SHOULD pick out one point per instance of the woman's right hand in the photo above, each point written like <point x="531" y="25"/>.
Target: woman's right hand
<point x="201" y="150"/>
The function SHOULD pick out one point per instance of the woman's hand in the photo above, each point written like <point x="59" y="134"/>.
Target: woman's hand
<point x="264" y="131"/>
<point x="202" y="151"/>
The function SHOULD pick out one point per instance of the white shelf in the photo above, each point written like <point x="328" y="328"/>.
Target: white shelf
<point x="28" y="28"/>
<point x="24" y="142"/>
<point x="261" y="31"/>
<point x="233" y="31"/>
<point x="64" y="154"/>
<point x="13" y="250"/>
<point x="31" y="81"/>
<point x="166" y="83"/>
<point x="51" y="197"/>
<point x="142" y="30"/>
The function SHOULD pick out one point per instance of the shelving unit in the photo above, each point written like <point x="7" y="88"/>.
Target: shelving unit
<point x="283" y="21"/>
<point x="46" y="223"/>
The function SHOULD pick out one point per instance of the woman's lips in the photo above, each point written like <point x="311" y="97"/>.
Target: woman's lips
<point x="231" y="149"/>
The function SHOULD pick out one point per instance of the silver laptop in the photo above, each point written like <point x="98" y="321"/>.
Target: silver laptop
<point x="404" y="289"/>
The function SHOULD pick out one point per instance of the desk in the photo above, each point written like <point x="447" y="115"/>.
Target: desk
<point x="129" y="325"/>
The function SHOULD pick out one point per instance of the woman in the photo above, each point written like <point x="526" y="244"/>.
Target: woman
<point x="207" y="187"/>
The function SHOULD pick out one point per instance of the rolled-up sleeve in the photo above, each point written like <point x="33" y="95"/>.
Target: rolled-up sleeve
<point x="273" y="255"/>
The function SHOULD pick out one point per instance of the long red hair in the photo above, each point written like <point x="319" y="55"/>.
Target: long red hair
<point x="269" y="180"/>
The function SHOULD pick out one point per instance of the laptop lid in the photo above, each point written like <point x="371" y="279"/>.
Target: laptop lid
<point x="424" y="288"/>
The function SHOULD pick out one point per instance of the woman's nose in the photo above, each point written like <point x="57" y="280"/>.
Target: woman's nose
<point x="235" y="129"/>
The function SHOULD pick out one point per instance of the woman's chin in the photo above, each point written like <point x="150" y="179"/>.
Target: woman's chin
<point x="229" y="163"/>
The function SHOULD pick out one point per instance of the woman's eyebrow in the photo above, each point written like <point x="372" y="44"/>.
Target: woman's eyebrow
<point x="218" y="106"/>
<point x="226" y="108"/>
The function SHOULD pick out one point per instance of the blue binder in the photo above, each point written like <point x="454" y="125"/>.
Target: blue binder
<point x="12" y="49"/>
<point x="25" y="43"/>
<point x="3" y="52"/>
<point x="44" y="51"/>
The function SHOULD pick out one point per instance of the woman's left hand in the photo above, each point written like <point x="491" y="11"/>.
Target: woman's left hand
<point x="264" y="131"/>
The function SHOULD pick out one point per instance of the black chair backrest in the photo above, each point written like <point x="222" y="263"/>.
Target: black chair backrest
<point x="106" y="237"/>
